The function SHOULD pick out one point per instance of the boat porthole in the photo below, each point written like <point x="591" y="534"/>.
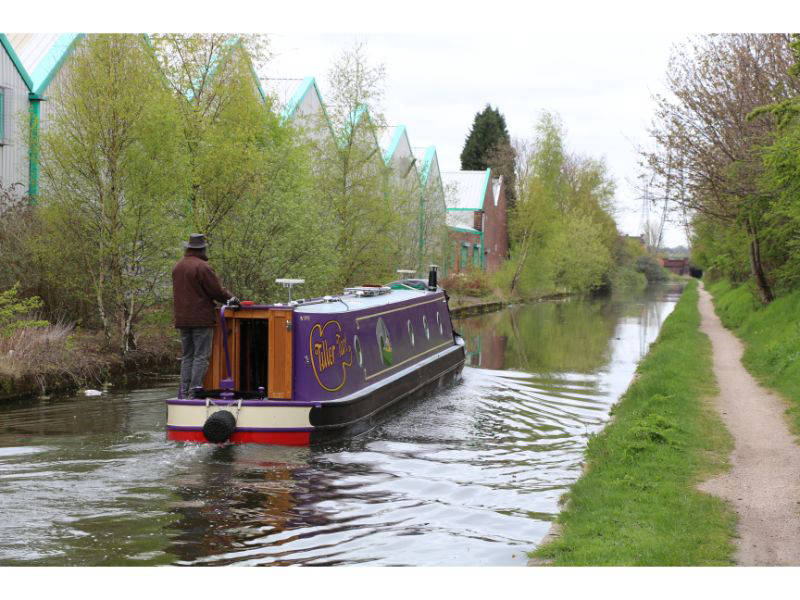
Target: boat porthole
<point x="384" y="343"/>
<point x="425" y="327"/>
<point x="439" y="323"/>
<point x="410" y="332"/>
<point x="357" y="348"/>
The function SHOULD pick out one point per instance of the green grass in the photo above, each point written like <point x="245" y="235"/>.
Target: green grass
<point x="771" y="335"/>
<point x="637" y="503"/>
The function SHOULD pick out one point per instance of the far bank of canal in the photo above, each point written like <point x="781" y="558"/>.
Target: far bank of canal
<point x="469" y="476"/>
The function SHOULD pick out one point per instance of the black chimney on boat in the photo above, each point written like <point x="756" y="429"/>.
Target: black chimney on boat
<point x="432" y="285"/>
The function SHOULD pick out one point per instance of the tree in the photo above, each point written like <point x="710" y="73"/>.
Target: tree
<point x="704" y="138"/>
<point x="250" y="179"/>
<point x="542" y="189"/>
<point x="373" y="215"/>
<point x="112" y="166"/>
<point x="564" y="233"/>
<point x="489" y="145"/>
<point x="211" y="76"/>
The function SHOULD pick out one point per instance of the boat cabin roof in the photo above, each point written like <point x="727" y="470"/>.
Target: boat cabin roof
<point x="351" y="302"/>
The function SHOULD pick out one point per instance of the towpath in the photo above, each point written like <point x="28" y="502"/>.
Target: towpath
<point x="763" y="484"/>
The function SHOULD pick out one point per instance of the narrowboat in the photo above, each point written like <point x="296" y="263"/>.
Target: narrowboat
<point x="311" y="371"/>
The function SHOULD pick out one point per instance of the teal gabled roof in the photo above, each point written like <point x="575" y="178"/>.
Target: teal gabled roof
<point x="399" y="131"/>
<point x="358" y="113"/>
<point x="294" y="102"/>
<point x="427" y="161"/>
<point x="308" y="84"/>
<point x="50" y="63"/>
<point x="17" y="62"/>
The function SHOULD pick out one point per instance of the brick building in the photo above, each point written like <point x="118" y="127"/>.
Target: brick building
<point x="476" y="219"/>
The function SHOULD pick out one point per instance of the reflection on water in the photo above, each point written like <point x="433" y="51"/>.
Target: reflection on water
<point x="469" y="476"/>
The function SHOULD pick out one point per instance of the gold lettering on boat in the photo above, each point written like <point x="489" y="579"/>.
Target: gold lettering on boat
<point x="331" y="354"/>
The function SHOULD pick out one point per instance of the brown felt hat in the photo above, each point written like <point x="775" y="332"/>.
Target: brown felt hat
<point x="197" y="241"/>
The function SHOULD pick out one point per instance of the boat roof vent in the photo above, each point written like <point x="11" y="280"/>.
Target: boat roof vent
<point x="365" y="290"/>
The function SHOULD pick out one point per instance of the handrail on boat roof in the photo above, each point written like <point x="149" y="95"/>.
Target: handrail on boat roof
<point x="363" y="290"/>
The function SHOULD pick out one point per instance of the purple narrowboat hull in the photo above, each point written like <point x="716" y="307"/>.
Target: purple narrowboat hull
<point x="351" y="359"/>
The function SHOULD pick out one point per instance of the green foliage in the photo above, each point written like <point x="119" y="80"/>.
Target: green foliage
<point x="739" y="87"/>
<point x="637" y="503"/>
<point x="563" y="234"/>
<point x="489" y="145"/>
<point x="580" y="258"/>
<point x="488" y="131"/>
<point x="628" y="279"/>
<point x="13" y="309"/>
<point x="650" y="268"/>
<point x="372" y="215"/>
<point x="112" y="166"/>
<point x="771" y="336"/>
<point x="721" y="251"/>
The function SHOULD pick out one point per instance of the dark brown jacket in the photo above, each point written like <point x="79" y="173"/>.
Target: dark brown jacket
<point x="195" y="286"/>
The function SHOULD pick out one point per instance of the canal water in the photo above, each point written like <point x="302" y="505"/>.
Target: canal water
<point x="470" y="475"/>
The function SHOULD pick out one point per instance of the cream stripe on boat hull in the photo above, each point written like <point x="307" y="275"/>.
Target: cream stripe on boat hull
<point x="260" y="417"/>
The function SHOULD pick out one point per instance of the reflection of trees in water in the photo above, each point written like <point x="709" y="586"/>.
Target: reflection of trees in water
<point x="549" y="336"/>
<point x="649" y="319"/>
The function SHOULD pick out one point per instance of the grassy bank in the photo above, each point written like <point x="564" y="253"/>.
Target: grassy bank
<point x="636" y="504"/>
<point x="771" y="335"/>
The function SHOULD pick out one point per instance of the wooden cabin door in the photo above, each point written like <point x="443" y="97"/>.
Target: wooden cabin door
<point x="280" y="354"/>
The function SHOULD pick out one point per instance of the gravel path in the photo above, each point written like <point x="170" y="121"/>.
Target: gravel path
<point x="763" y="484"/>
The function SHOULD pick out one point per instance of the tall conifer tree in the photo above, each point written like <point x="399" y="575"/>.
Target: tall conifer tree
<point x="489" y="145"/>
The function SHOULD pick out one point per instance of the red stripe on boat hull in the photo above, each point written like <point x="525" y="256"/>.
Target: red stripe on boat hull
<point x="280" y="438"/>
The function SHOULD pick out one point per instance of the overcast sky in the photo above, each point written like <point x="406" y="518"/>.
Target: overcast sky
<point x="595" y="63"/>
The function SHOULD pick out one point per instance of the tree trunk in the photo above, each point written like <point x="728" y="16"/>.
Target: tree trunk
<point x="756" y="268"/>
<point x="101" y="310"/>
<point x="128" y="335"/>
<point x="520" y="264"/>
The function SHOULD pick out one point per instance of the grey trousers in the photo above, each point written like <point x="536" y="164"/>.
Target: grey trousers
<point x="196" y="345"/>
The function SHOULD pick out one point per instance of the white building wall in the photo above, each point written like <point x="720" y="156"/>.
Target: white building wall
<point x="401" y="162"/>
<point x="49" y="105"/>
<point x="14" y="148"/>
<point x="310" y="117"/>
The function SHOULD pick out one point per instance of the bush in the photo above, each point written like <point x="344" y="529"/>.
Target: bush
<point x="626" y="278"/>
<point x="470" y="283"/>
<point x="13" y="310"/>
<point x="651" y="268"/>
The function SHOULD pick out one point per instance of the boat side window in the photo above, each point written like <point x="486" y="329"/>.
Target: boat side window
<point x="357" y="348"/>
<point x="384" y="344"/>
<point x="425" y="326"/>
<point x="410" y="332"/>
<point x="439" y="322"/>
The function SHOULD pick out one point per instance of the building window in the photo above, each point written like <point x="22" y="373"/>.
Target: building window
<point x="476" y="256"/>
<point x="384" y="344"/>
<point x="464" y="253"/>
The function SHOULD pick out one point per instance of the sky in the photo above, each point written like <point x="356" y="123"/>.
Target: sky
<point x="595" y="63"/>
